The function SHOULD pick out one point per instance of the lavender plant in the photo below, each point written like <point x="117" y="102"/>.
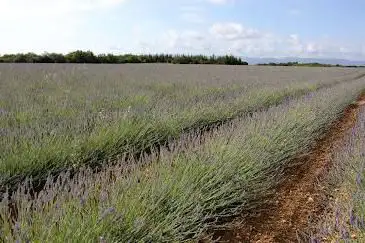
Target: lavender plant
<point x="345" y="217"/>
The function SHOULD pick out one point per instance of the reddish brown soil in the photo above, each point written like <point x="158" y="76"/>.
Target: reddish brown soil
<point x="300" y="197"/>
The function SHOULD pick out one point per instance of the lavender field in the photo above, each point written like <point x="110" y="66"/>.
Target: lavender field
<point x="153" y="152"/>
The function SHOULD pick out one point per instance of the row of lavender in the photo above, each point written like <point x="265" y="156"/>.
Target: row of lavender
<point x="54" y="117"/>
<point x="345" y="217"/>
<point x="184" y="190"/>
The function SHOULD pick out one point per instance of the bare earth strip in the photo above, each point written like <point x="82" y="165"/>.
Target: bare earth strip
<point x="300" y="197"/>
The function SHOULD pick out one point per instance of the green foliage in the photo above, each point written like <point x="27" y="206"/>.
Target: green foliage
<point x="81" y="57"/>
<point x="313" y="64"/>
<point x="89" y="57"/>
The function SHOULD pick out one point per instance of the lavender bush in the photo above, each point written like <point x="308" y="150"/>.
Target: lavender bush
<point x="345" y="219"/>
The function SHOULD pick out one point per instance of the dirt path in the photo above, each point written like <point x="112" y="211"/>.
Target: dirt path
<point x="300" y="197"/>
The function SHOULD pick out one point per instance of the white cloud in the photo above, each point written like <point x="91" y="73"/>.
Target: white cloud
<point x="174" y="41"/>
<point x="294" y="44"/>
<point x="20" y="9"/>
<point x="220" y="2"/>
<point x="234" y="31"/>
<point x="193" y="14"/>
<point x="31" y="36"/>
<point x="188" y="40"/>
<point x="49" y="25"/>
<point x="233" y="38"/>
<point x="313" y="48"/>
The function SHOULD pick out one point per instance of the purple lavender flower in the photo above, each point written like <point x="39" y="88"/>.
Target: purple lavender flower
<point x="309" y="96"/>
<point x="314" y="240"/>
<point x="358" y="179"/>
<point x="337" y="218"/>
<point x="344" y="234"/>
<point x="4" y="131"/>
<point x="103" y="196"/>
<point x="353" y="131"/>
<point x="82" y="201"/>
<point x="325" y="231"/>
<point x="3" y="112"/>
<point x="106" y="213"/>
<point x="17" y="227"/>
<point x="353" y="219"/>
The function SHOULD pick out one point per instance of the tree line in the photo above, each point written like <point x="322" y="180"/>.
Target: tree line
<point x="312" y="64"/>
<point x="90" y="57"/>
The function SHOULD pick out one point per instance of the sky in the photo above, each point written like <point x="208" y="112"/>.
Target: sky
<point x="251" y="28"/>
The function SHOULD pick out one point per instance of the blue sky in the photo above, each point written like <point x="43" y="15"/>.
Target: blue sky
<point x="254" y="28"/>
